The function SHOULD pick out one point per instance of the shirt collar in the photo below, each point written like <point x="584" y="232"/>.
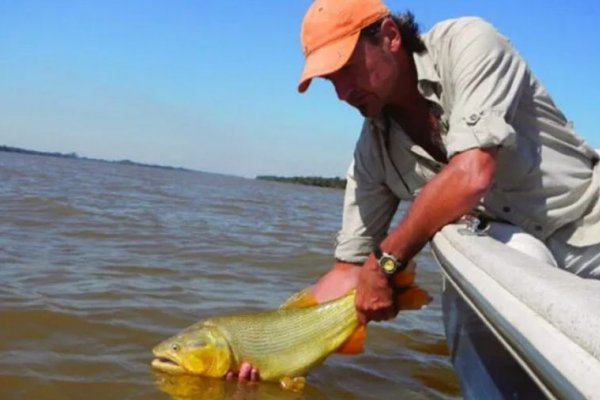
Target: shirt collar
<point x="425" y="68"/>
<point x="428" y="81"/>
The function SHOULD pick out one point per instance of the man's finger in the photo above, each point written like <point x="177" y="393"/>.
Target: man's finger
<point x="391" y="313"/>
<point x="245" y="371"/>
<point x="383" y="314"/>
<point x="362" y="318"/>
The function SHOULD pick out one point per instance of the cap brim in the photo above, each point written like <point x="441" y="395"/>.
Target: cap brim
<point x="327" y="60"/>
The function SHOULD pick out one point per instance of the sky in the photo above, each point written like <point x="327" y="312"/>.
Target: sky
<point x="211" y="85"/>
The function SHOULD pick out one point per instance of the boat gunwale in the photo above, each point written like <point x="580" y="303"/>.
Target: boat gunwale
<point x="476" y="286"/>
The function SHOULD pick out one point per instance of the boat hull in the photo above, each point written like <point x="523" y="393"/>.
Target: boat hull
<point x="517" y="327"/>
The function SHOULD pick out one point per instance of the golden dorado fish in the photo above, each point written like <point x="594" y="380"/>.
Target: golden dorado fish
<point x="282" y="344"/>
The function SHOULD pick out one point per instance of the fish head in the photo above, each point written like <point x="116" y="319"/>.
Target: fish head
<point x="202" y="349"/>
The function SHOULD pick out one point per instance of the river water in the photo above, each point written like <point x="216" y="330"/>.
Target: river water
<point x="100" y="261"/>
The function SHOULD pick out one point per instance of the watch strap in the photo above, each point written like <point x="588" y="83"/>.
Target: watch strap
<point x="378" y="253"/>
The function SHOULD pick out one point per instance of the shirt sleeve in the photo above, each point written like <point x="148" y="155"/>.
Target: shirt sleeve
<point x="488" y="78"/>
<point x="369" y="205"/>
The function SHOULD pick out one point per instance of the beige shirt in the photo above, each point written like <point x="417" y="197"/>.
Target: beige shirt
<point x="547" y="177"/>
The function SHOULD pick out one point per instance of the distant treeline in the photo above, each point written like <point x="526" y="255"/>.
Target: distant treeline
<point x="10" y="149"/>
<point x="37" y="153"/>
<point x="337" y="183"/>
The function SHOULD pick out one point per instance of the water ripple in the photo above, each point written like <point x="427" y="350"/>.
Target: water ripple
<point x="102" y="261"/>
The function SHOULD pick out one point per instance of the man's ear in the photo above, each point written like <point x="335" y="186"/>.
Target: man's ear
<point x="391" y="35"/>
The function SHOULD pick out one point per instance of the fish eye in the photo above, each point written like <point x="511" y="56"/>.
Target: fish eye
<point x="175" y="347"/>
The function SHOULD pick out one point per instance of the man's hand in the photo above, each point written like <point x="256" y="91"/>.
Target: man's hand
<point x="374" y="294"/>
<point x="246" y="373"/>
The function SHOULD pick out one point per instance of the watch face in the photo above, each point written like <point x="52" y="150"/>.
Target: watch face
<point x="388" y="265"/>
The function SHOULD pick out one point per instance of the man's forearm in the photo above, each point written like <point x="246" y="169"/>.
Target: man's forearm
<point x="454" y="192"/>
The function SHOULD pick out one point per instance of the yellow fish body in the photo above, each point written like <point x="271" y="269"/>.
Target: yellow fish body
<point x="281" y="344"/>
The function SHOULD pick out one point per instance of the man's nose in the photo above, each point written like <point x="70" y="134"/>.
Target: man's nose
<point x="343" y="89"/>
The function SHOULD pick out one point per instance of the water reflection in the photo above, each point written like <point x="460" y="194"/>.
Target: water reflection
<point x="188" y="387"/>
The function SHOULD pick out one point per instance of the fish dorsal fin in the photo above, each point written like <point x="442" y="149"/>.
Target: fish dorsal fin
<point x="302" y="299"/>
<point x="355" y="344"/>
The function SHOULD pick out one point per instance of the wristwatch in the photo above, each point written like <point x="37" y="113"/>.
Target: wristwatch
<point x="388" y="263"/>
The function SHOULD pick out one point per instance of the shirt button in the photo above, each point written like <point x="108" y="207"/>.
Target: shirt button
<point x="473" y="118"/>
<point x="506" y="209"/>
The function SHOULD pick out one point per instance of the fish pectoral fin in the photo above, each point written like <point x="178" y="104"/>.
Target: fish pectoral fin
<point x="302" y="299"/>
<point x="355" y="344"/>
<point x="295" y="384"/>
<point x="412" y="298"/>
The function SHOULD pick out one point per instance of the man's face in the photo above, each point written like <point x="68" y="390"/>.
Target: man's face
<point x="367" y="79"/>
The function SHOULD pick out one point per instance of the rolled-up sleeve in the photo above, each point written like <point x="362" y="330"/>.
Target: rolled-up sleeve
<point x="369" y="205"/>
<point x="488" y="78"/>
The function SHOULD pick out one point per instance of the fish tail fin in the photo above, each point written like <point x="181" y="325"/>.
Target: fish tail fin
<point x="407" y="295"/>
<point x="405" y="277"/>
<point x="412" y="298"/>
<point x="408" y="298"/>
<point x="303" y="298"/>
<point x="355" y="344"/>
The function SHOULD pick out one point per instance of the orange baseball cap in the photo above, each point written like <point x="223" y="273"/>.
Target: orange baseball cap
<point x="330" y="31"/>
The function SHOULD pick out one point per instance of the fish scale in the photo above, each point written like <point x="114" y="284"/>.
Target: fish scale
<point x="289" y="341"/>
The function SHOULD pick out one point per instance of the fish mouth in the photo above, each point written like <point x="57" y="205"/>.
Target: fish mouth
<point x="167" y="364"/>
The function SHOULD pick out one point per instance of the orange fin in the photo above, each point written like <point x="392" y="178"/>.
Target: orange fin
<point x="412" y="298"/>
<point x="406" y="277"/>
<point x="303" y="298"/>
<point x="295" y="384"/>
<point x="355" y="344"/>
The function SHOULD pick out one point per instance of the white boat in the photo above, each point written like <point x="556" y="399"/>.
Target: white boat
<point x="517" y="327"/>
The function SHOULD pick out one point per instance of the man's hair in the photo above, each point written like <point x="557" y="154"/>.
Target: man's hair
<point x="409" y="30"/>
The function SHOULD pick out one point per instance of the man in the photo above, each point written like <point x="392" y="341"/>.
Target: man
<point x="454" y="122"/>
